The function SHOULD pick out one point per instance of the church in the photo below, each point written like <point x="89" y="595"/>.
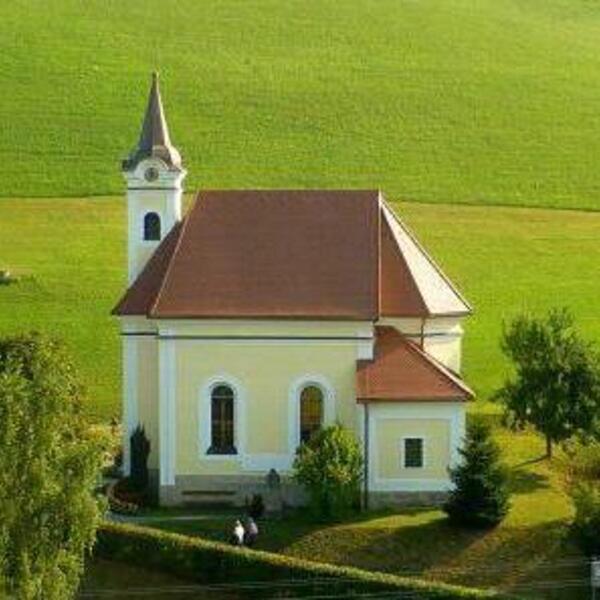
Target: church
<point x="260" y="316"/>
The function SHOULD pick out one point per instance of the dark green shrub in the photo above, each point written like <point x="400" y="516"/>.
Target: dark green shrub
<point x="586" y="525"/>
<point x="140" y="449"/>
<point x="330" y="467"/>
<point x="480" y="497"/>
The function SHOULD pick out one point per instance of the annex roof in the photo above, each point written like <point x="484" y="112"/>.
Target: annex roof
<point x="402" y="372"/>
<point x="314" y="254"/>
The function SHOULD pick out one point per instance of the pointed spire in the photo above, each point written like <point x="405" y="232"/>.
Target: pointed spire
<point x="154" y="139"/>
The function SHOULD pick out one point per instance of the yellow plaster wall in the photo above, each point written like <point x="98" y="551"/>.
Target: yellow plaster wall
<point x="265" y="371"/>
<point x="389" y="434"/>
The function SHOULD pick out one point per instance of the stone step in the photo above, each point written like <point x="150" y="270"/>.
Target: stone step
<point x="215" y="498"/>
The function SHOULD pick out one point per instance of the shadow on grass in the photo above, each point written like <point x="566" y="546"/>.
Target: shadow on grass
<point x="527" y="482"/>
<point x="506" y="557"/>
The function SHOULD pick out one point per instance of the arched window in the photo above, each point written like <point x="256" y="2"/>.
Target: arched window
<point x="311" y="412"/>
<point x="151" y="227"/>
<point x="222" y="439"/>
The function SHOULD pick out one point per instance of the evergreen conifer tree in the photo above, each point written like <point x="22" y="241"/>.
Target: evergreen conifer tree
<point x="480" y="497"/>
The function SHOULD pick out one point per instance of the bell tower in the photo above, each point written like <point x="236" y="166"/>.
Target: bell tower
<point x="154" y="176"/>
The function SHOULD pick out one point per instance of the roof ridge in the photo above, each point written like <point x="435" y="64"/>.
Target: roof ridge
<point x="427" y="256"/>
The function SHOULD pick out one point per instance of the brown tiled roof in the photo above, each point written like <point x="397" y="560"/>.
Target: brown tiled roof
<point x="140" y="297"/>
<point x="401" y="371"/>
<point x="275" y="254"/>
<point x="315" y="254"/>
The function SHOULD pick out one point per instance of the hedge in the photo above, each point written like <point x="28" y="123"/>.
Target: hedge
<point x="216" y="563"/>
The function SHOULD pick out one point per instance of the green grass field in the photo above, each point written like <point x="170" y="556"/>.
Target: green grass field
<point x="438" y="100"/>
<point x="70" y="257"/>
<point x="452" y="107"/>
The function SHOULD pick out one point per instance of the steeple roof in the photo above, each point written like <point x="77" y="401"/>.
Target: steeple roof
<point x="154" y="139"/>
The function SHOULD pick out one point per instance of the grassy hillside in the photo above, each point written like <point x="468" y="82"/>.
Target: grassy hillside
<point x="70" y="256"/>
<point x="436" y="100"/>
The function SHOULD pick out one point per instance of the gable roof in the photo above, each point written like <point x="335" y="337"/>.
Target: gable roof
<point x="314" y="254"/>
<point x="402" y="372"/>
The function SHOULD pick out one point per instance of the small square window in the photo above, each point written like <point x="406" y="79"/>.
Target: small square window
<point x="413" y="453"/>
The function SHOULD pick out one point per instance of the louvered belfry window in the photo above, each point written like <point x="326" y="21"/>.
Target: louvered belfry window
<point x="151" y="227"/>
<point x="311" y="412"/>
<point x="222" y="406"/>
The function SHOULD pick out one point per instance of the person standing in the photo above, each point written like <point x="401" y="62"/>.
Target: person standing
<point x="251" y="532"/>
<point x="238" y="534"/>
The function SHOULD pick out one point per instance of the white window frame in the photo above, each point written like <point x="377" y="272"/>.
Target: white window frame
<point x="403" y="465"/>
<point x="205" y="418"/>
<point x="294" y="406"/>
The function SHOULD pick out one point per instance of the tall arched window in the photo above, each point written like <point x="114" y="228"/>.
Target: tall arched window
<point x="151" y="227"/>
<point x="311" y="412"/>
<point x="222" y="421"/>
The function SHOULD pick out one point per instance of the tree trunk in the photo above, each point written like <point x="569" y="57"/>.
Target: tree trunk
<point x="548" y="447"/>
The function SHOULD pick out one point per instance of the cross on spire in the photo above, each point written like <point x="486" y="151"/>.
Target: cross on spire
<point x="154" y="139"/>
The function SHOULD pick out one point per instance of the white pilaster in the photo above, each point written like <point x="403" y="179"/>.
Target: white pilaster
<point x="167" y="414"/>
<point x="130" y="396"/>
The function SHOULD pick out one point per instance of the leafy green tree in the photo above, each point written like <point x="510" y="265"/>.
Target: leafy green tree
<point x="49" y="464"/>
<point x="556" y="383"/>
<point x="480" y="497"/>
<point x="329" y="466"/>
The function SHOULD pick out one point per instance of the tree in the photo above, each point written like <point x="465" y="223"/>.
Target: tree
<point x="480" y="496"/>
<point x="140" y="449"/>
<point x="329" y="466"/>
<point x="49" y="464"/>
<point x="556" y="384"/>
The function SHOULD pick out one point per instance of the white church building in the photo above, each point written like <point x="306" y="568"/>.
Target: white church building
<point x="260" y="316"/>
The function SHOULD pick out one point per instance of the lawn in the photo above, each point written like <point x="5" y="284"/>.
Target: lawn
<point x="437" y="100"/>
<point x="529" y="550"/>
<point x="70" y="257"/>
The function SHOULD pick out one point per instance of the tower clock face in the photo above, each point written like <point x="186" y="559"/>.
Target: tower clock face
<point x="151" y="174"/>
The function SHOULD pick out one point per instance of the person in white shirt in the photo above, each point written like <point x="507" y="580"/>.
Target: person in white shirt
<point x="238" y="533"/>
